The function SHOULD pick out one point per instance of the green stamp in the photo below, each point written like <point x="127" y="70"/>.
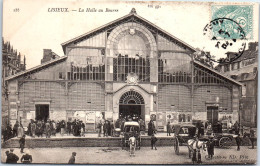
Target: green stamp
<point x="240" y="18"/>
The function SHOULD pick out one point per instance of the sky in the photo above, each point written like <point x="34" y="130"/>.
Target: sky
<point x="33" y="28"/>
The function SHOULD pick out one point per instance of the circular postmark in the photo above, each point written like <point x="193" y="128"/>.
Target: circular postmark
<point x="229" y="36"/>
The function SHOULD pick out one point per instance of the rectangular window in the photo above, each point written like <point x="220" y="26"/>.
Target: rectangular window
<point x="61" y="75"/>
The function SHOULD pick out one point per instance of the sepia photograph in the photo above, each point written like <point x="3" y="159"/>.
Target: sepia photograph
<point x="129" y="82"/>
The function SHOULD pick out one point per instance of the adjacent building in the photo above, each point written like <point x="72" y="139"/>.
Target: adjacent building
<point x="12" y="64"/>
<point x="125" y="67"/>
<point x="244" y="69"/>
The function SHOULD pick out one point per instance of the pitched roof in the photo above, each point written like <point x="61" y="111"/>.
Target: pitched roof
<point x="44" y="65"/>
<point x="246" y="76"/>
<point x="131" y="14"/>
<point x="216" y="72"/>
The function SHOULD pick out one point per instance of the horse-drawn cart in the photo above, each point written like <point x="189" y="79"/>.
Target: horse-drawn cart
<point x="131" y="129"/>
<point x="223" y="140"/>
<point x="182" y="133"/>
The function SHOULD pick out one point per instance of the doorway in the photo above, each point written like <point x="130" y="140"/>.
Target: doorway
<point x="131" y="110"/>
<point x="131" y="104"/>
<point x="42" y="112"/>
<point x="212" y="114"/>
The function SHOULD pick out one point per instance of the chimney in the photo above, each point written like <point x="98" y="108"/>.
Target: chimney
<point x="252" y="46"/>
<point x="47" y="55"/>
<point x="24" y="62"/>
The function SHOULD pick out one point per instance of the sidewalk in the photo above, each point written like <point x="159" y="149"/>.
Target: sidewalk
<point x="95" y="135"/>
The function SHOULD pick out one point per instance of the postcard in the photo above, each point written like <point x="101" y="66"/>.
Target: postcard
<point x="129" y="82"/>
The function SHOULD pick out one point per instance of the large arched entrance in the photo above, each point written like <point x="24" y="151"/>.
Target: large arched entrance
<point x="132" y="103"/>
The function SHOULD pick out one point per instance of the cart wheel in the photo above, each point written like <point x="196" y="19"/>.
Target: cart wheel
<point x="176" y="146"/>
<point x="225" y="142"/>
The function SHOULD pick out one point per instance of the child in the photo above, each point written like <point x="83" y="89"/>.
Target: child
<point x="22" y="143"/>
<point x="72" y="158"/>
<point x="153" y="141"/>
<point x="168" y="129"/>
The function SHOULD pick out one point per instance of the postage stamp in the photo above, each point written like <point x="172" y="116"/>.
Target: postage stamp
<point x="241" y="15"/>
<point x="228" y="35"/>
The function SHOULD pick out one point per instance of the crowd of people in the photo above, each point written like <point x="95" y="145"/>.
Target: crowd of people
<point x="16" y="131"/>
<point x="48" y="128"/>
<point x="109" y="128"/>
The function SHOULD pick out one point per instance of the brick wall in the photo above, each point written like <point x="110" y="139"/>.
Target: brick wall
<point x="177" y="95"/>
<point x="209" y="94"/>
<point x="81" y="96"/>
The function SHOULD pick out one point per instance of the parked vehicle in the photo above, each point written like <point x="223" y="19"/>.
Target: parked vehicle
<point x="131" y="129"/>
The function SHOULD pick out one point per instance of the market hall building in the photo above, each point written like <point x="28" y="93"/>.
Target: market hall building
<point x="128" y="66"/>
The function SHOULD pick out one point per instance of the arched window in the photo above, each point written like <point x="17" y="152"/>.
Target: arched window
<point x="131" y="97"/>
<point x="132" y="46"/>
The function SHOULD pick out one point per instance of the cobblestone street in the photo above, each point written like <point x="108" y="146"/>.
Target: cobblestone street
<point x="114" y="155"/>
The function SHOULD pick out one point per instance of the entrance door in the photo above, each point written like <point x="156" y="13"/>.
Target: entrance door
<point x="132" y="110"/>
<point x="212" y="114"/>
<point x="42" y="112"/>
<point x="131" y="104"/>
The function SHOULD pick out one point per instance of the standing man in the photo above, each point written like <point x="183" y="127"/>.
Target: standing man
<point x="22" y="143"/>
<point x="239" y="141"/>
<point x="106" y="128"/>
<point x="9" y="131"/>
<point x="252" y="137"/>
<point x="210" y="147"/>
<point x="112" y="127"/>
<point x="150" y="128"/>
<point x="62" y="127"/>
<point x="15" y="129"/>
<point x="168" y="129"/>
<point x="30" y="128"/>
<point x="68" y="128"/>
<point x="72" y="158"/>
<point x="236" y="127"/>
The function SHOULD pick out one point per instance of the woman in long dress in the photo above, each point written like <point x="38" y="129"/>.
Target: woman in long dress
<point x="33" y="128"/>
<point x="20" y="131"/>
